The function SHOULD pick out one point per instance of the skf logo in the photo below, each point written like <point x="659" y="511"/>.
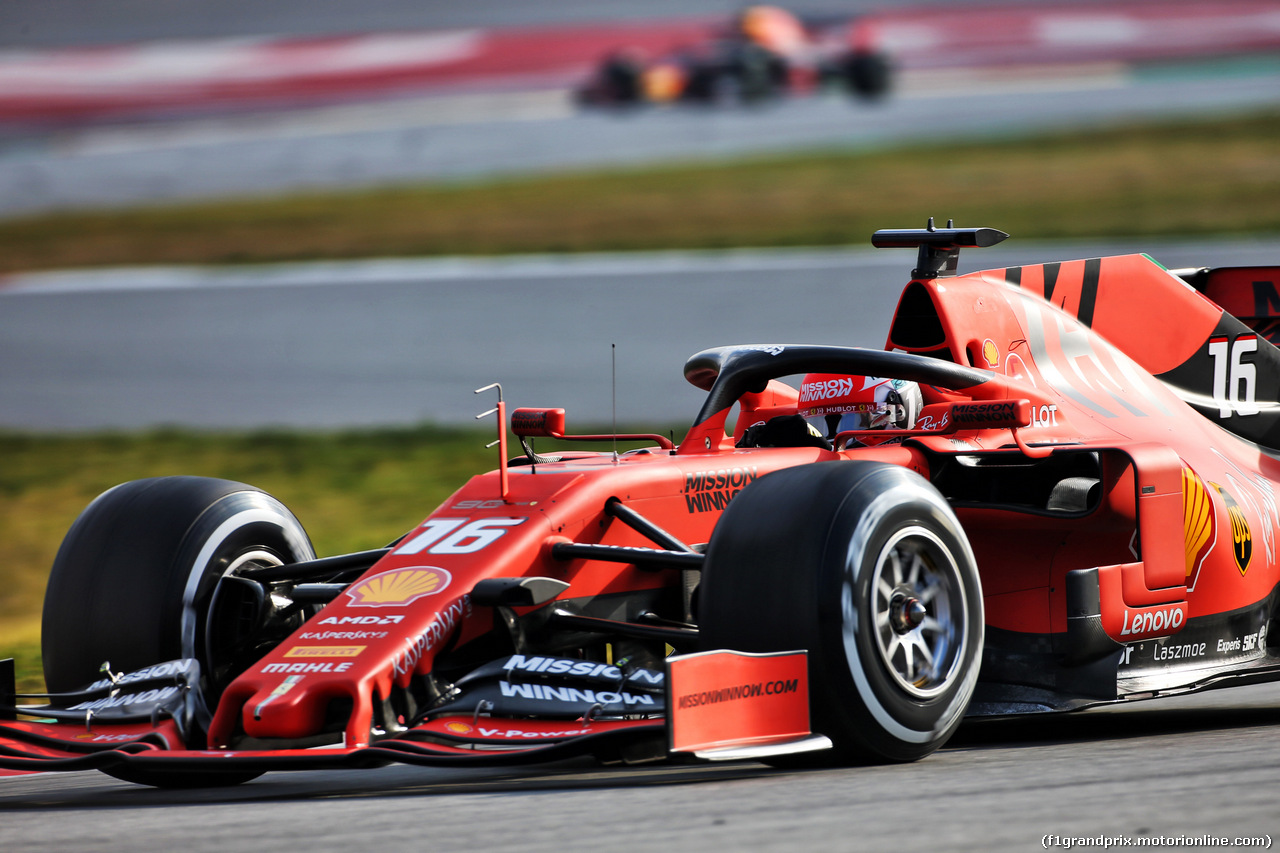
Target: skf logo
<point x="1199" y="524"/>
<point x="398" y="588"/>
<point x="1241" y="535"/>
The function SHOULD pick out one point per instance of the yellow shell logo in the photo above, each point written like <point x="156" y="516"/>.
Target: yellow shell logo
<point x="990" y="353"/>
<point x="458" y="728"/>
<point x="1198" y="525"/>
<point x="398" y="588"/>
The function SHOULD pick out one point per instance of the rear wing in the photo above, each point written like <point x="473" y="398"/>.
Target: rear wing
<point x="1250" y="294"/>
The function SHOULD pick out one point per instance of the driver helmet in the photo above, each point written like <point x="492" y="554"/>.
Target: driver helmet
<point x="835" y="402"/>
<point x="772" y="28"/>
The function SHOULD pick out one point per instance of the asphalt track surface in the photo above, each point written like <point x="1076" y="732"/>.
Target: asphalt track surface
<point x="1194" y="766"/>
<point x="406" y="341"/>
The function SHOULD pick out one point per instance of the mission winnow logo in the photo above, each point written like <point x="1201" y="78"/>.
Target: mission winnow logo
<point x="738" y="692"/>
<point x="707" y="491"/>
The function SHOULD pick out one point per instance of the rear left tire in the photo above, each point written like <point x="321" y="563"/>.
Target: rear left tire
<point x="868" y="75"/>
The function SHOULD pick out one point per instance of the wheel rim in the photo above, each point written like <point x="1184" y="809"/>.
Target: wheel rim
<point x="252" y="559"/>
<point x="295" y="546"/>
<point x="918" y="612"/>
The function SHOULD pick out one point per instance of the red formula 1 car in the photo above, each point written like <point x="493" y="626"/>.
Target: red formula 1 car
<point x="762" y="53"/>
<point x="1080" y="509"/>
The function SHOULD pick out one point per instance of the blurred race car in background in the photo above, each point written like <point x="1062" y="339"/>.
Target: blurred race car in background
<point x="764" y="52"/>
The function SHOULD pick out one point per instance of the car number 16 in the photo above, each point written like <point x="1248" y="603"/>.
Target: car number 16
<point x="456" y="535"/>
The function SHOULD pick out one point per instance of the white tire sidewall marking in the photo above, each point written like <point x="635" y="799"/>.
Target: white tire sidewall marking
<point x="276" y="515"/>
<point x="867" y="525"/>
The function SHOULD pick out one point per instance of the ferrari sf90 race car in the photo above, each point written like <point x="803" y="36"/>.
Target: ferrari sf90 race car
<point x="762" y="53"/>
<point x="1054" y="488"/>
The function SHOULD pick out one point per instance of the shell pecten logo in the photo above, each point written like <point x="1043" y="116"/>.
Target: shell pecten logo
<point x="1199" y="527"/>
<point x="397" y="588"/>
<point x="990" y="354"/>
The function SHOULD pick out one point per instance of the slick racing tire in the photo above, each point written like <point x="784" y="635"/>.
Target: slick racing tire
<point x="621" y="82"/>
<point x="761" y="74"/>
<point x="868" y="75"/>
<point x="618" y="82"/>
<point x="864" y="565"/>
<point x="134" y="580"/>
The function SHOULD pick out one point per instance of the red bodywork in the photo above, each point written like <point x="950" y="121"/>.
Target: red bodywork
<point x="1113" y="374"/>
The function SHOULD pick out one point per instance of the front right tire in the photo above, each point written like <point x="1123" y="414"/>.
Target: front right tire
<point x="133" y="584"/>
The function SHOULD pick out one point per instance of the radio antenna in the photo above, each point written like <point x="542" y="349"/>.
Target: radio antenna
<point x="501" y="411"/>
<point x="613" y="366"/>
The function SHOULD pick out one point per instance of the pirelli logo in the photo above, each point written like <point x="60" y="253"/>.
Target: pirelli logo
<point x="324" y="651"/>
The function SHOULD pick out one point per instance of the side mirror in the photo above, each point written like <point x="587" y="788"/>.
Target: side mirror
<point x="548" y="423"/>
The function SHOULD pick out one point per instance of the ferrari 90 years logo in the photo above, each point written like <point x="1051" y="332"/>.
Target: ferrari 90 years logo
<point x="398" y="588"/>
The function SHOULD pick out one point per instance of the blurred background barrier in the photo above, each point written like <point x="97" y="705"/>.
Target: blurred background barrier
<point x="138" y="104"/>
<point x="193" y="76"/>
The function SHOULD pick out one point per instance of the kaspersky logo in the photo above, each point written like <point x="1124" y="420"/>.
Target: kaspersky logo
<point x="398" y="588"/>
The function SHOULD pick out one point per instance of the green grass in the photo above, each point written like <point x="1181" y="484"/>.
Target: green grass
<point x="1189" y="177"/>
<point x="351" y="490"/>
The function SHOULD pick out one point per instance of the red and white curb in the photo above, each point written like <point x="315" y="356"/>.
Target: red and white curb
<point x="1125" y="31"/>
<point x="101" y="82"/>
